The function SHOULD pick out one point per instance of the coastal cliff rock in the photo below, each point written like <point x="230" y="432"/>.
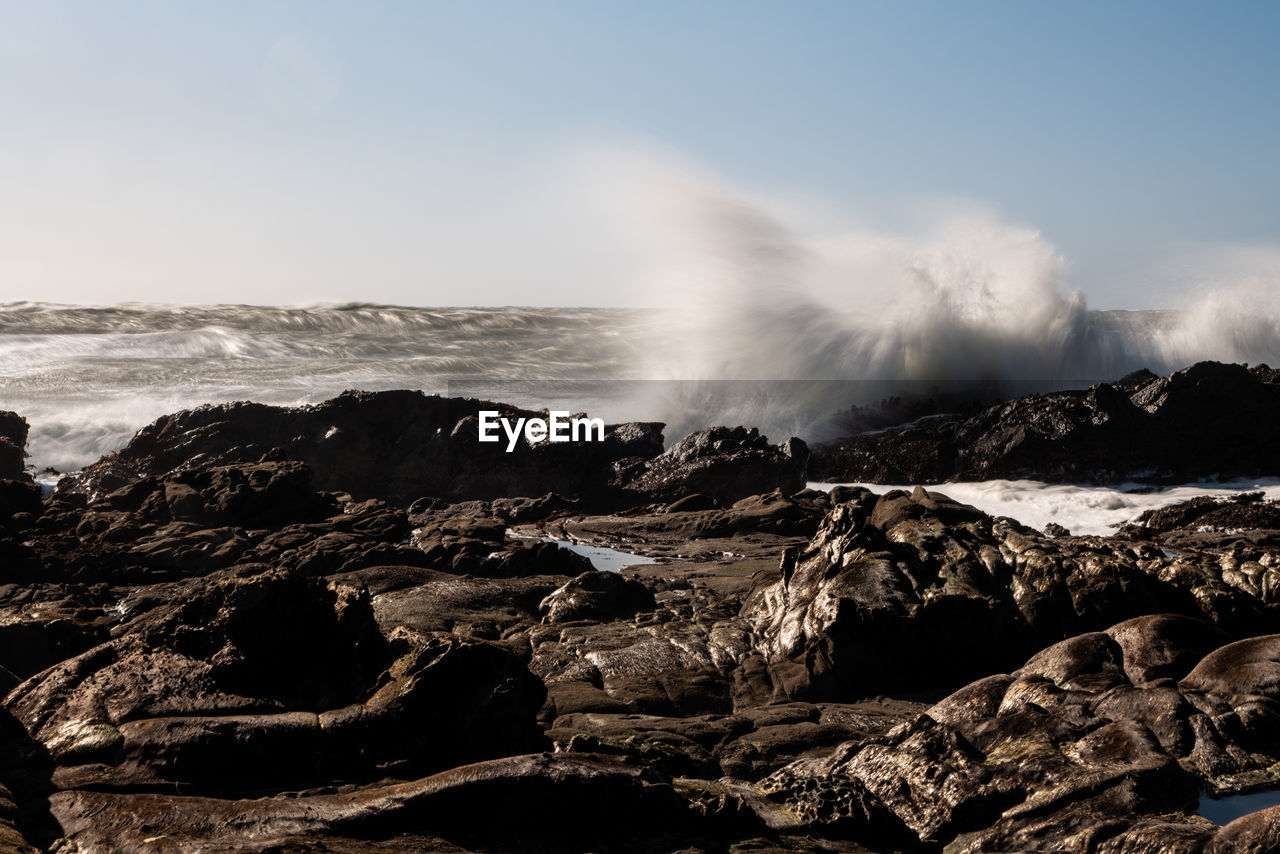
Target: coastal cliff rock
<point x="1207" y="420"/>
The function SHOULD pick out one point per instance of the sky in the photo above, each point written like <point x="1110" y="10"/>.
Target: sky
<point x="493" y="153"/>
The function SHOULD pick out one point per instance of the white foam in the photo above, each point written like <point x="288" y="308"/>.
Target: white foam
<point x="762" y="293"/>
<point x="1080" y="509"/>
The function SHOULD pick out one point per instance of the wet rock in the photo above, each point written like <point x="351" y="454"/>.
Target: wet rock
<point x="1207" y="420"/>
<point x="724" y="463"/>
<point x="1091" y="739"/>
<point x="478" y="545"/>
<point x="757" y="525"/>
<point x="208" y="518"/>
<point x="521" y="511"/>
<point x="695" y="502"/>
<point x="596" y="596"/>
<point x="1244" y="520"/>
<point x="282" y="654"/>
<point x="1259" y="831"/>
<point x="687" y="653"/>
<point x="431" y="601"/>
<point x="899" y="592"/>
<point x="275" y="671"/>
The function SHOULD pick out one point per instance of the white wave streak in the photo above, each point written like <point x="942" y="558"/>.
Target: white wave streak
<point x="1083" y="510"/>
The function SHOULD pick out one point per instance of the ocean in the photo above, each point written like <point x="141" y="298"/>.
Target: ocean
<point x="87" y="377"/>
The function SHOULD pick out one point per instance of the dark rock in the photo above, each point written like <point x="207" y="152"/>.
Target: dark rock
<point x="903" y="592"/>
<point x="1207" y="420"/>
<point x="694" y="502"/>
<point x="478" y="545"/>
<point x="1209" y="522"/>
<point x="1259" y="831"/>
<point x="20" y="503"/>
<point x="1053" y="529"/>
<point x="1092" y="739"/>
<point x="207" y="518"/>
<point x="429" y="601"/>
<point x="395" y="445"/>
<point x="596" y="596"/>
<point x="13" y="445"/>
<point x="275" y="671"/>
<point x="400" y="445"/>
<point x="575" y="800"/>
<point x="522" y="511"/>
<point x="772" y="513"/>
<point x="724" y="463"/>
<point x="226" y="654"/>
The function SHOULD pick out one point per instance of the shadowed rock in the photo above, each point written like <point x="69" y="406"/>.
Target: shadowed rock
<point x="1207" y="420"/>
<point x="400" y="445"/>
<point x="572" y="799"/>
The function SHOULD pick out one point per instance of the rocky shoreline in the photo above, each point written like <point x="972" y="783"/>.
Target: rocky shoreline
<point x="342" y="628"/>
<point x="1208" y="420"/>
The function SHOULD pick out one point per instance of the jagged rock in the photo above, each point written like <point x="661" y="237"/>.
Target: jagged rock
<point x="228" y="654"/>
<point x="724" y="463"/>
<point x="1209" y="419"/>
<point x="206" y="518"/>
<point x="274" y="670"/>
<point x="596" y="596"/>
<point x="1105" y="735"/>
<point x="395" y="445"/>
<point x="479" y="546"/>
<point x="400" y="445"/>
<point x="1208" y="522"/>
<point x="901" y="592"/>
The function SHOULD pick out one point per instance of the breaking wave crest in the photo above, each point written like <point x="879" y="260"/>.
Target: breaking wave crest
<point x="767" y="323"/>
<point x="975" y="307"/>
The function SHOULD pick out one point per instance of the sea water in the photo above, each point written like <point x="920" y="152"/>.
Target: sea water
<point x="87" y="377"/>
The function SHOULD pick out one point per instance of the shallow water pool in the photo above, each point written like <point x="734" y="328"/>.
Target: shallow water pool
<point x="603" y="559"/>
<point x="1228" y="809"/>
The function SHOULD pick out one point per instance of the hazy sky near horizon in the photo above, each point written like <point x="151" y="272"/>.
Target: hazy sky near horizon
<point x="488" y="153"/>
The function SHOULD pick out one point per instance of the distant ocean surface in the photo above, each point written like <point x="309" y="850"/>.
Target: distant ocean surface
<point x="86" y="378"/>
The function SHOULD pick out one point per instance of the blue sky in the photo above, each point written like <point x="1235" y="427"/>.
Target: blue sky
<point x="466" y="152"/>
